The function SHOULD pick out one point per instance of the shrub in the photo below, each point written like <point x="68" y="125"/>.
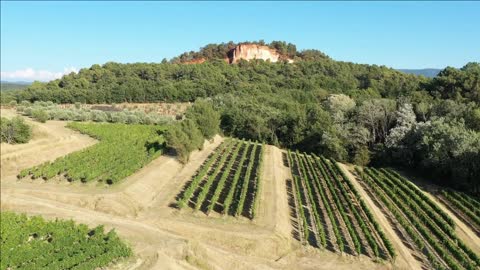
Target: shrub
<point x="15" y="130"/>
<point x="99" y="116"/>
<point x="84" y="116"/>
<point x="25" y="103"/>
<point x="58" y="114"/>
<point x="140" y="116"/>
<point x="149" y="120"/>
<point x="132" y="119"/>
<point x="28" y="111"/>
<point x="119" y="117"/>
<point x="362" y="156"/>
<point x="70" y="115"/>
<point x="161" y="120"/>
<point x="80" y="116"/>
<point x="40" y="115"/>
<point x="20" y="108"/>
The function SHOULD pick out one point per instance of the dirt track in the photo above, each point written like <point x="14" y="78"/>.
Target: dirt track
<point x="163" y="237"/>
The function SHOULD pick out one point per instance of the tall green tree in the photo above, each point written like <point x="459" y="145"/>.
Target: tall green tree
<point x="207" y="119"/>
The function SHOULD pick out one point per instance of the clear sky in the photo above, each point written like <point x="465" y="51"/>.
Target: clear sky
<point x="43" y="40"/>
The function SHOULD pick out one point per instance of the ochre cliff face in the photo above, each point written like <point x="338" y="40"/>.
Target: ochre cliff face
<point x="252" y="51"/>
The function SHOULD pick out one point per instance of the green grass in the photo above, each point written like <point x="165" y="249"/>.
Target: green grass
<point x="122" y="150"/>
<point x="34" y="243"/>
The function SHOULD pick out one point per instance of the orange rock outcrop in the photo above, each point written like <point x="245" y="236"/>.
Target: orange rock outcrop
<point x="252" y="51"/>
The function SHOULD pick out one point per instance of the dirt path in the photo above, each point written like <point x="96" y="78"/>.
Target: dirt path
<point x="404" y="259"/>
<point x="273" y="208"/>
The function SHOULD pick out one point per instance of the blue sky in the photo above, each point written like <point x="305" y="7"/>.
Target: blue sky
<point x="42" y="40"/>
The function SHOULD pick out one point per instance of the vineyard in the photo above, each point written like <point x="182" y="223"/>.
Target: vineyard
<point x="33" y="243"/>
<point x="466" y="207"/>
<point x="329" y="210"/>
<point x="418" y="220"/>
<point x="122" y="150"/>
<point x="228" y="182"/>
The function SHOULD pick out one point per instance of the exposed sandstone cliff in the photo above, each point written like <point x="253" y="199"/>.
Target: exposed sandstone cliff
<point x="252" y="51"/>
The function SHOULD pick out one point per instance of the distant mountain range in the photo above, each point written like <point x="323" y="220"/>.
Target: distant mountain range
<point x="427" y="72"/>
<point x="5" y="86"/>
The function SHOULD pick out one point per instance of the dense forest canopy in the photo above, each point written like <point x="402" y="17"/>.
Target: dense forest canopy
<point x="142" y="82"/>
<point x="365" y="114"/>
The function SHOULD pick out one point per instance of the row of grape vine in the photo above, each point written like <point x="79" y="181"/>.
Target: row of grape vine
<point x="228" y="182"/>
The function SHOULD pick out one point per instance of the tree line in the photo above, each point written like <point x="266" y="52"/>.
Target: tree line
<point x="151" y="82"/>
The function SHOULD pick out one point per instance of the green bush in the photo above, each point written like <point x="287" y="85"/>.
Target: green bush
<point x="70" y="115"/>
<point x="362" y="156"/>
<point x="99" y="116"/>
<point x="15" y="130"/>
<point x="140" y="115"/>
<point x="40" y="115"/>
<point x="208" y="120"/>
<point x="27" y="111"/>
<point x="119" y="117"/>
<point x="132" y="119"/>
<point x="148" y="120"/>
<point x="184" y="137"/>
<point x="60" y="115"/>
<point x="83" y="116"/>
<point x="25" y="103"/>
